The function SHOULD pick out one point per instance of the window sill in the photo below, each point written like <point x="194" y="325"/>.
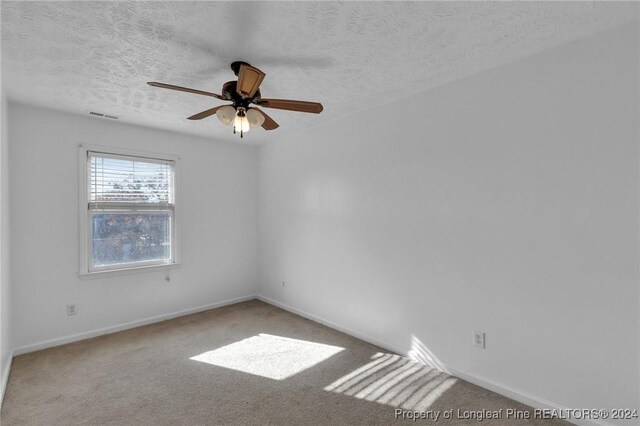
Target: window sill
<point x="126" y="271"/>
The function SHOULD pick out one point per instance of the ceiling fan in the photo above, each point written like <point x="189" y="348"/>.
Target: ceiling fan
<point x="242" y="94"/>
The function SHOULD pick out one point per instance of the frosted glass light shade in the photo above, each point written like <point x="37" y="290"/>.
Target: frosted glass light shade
<point x="241" y="124"/>
<point x="226" y="114"/>
<point x="255" y="118"/>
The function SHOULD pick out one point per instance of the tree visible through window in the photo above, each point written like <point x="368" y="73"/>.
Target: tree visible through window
<point x="131" y="211"/>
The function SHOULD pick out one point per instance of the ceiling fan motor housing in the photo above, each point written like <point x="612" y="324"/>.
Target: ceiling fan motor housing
<point x="229" y="92"/>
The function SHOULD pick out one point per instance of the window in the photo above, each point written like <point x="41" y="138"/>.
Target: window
<point x="129" y="211"/>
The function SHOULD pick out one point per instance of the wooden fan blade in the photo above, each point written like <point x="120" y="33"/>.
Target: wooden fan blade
<point x="184" y="89"/>
<point x="205" y="114"/>
<point x="289" y="105"/>
<point x="249" y="80"/>
<point x="269" y="123"/>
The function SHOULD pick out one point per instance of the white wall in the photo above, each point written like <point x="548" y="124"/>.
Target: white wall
<point x="218" y="235"/>
<point x="505" y="202"/>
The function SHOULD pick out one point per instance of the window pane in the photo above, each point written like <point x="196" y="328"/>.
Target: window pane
<point x="128" y="180"/>
<point x="121" y="238"/>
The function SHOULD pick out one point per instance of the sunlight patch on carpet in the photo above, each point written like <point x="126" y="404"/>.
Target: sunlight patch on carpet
<point x="396" y="381"/>
<point x="265" y="355"/>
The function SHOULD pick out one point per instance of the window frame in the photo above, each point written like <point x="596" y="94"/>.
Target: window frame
<point x="84" y="213"/>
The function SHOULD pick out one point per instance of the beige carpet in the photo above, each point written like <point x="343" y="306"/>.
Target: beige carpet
<point x="246" y="364"/>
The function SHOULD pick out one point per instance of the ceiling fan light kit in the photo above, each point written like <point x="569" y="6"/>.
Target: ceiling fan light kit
<point x="243" y="93"/>
<point x="226" y="114"/>
<point x="240" y="123"/>
<point x="256" y="119"/>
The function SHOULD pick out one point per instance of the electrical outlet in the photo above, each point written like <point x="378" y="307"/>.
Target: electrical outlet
<point x="72" y="309"/>
<point x="478" y="339"/>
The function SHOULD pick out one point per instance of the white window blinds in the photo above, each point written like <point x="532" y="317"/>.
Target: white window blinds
<point x="130" y="220"/>
<point x="125" y="180"/>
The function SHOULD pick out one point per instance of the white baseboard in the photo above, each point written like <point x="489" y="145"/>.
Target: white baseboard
<point x="6" y="369"/>
<point x="522" y="397"/>
<point x="499" y="388"/>
<point x="108" y="330"/>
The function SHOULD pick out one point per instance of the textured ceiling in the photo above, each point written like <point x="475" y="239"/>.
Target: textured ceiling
<point x="81" y="56"/>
